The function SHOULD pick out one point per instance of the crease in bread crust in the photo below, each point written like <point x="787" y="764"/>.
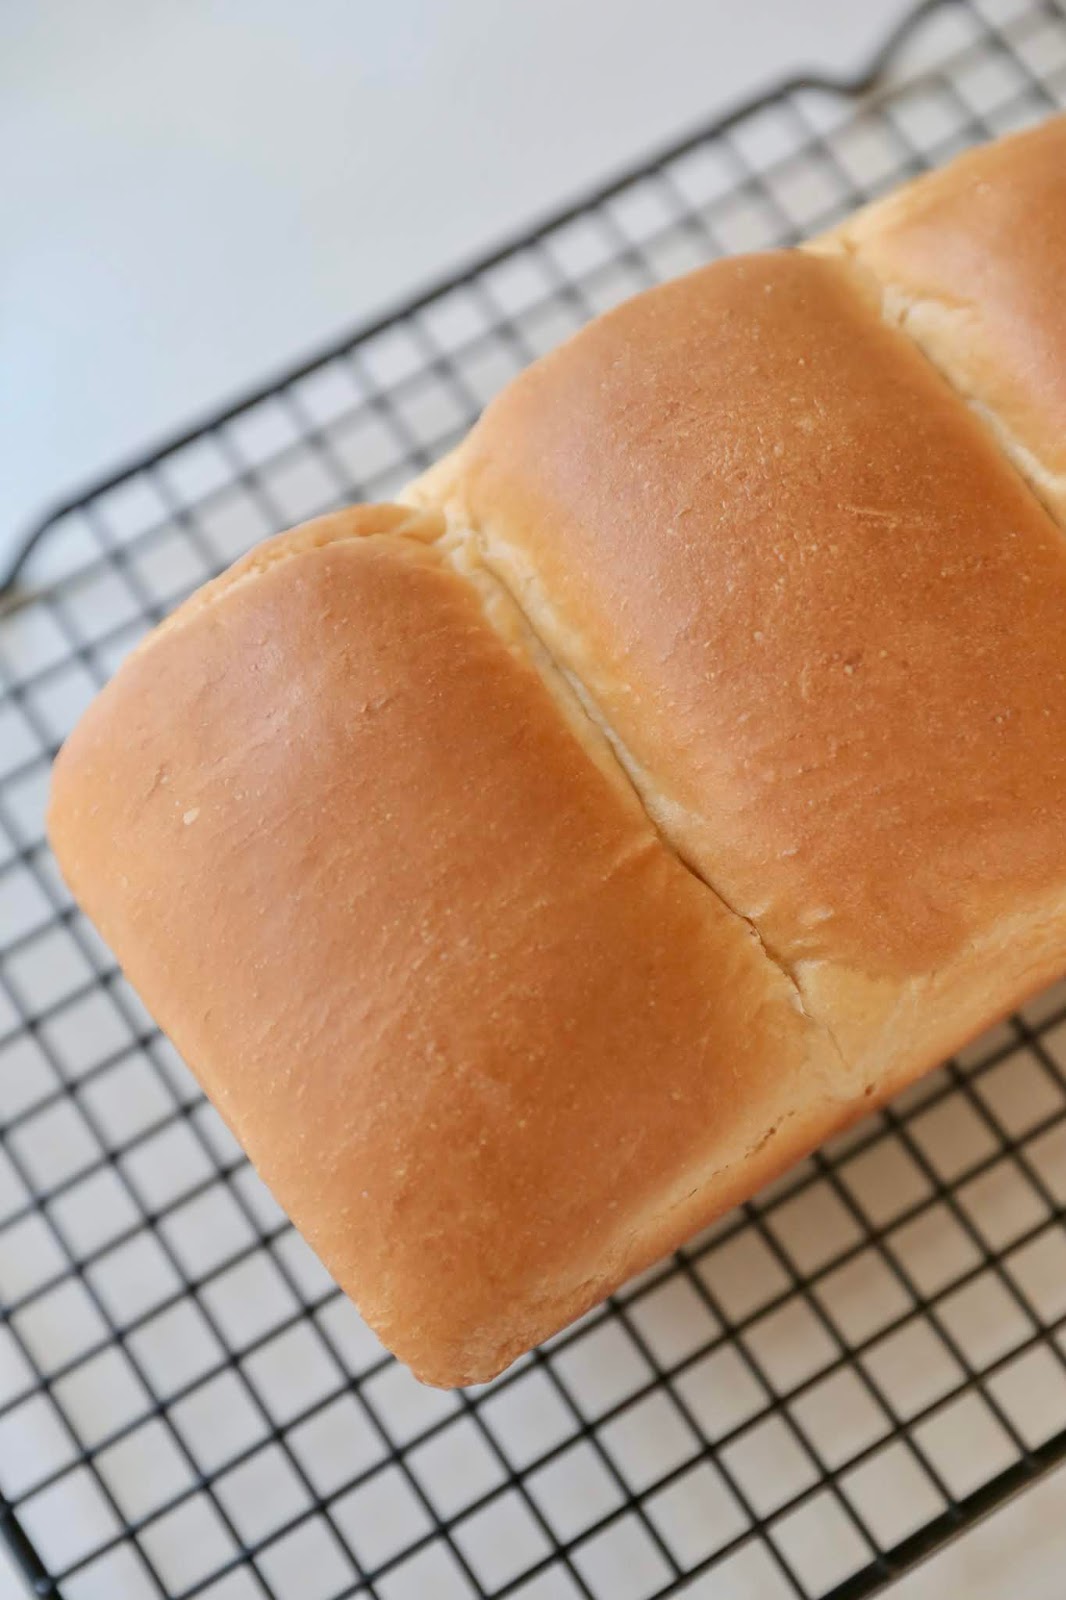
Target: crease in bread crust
<point x="905" y="312"/>
<point x="434" y="525"/>
<point x="470" y="552"/>
<point x="424" y="526"/>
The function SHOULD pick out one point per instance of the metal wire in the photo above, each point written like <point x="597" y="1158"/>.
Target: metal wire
<point x="807" y="1399"/>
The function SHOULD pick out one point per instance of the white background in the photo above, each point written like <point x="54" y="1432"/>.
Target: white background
<point x="194" y="195"/>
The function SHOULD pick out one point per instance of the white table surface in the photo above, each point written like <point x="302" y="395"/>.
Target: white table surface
<point x="195" y="195"/>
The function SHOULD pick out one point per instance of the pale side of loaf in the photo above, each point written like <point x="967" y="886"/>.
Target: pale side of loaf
<point x="531" y="872"/>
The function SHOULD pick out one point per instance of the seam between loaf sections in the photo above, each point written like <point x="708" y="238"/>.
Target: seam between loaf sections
<point x="899" y="310"/>
<point x="421" y="522"/>
<point x="466" y="549"/>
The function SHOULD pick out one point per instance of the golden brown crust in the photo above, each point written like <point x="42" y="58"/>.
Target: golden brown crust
<point x="485" y="1037"/>
<point x="795" y="576"/>
<point x="390" y="825"/>
<point x="971" y="261"/>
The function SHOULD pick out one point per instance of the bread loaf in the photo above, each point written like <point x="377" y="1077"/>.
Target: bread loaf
<point x="532" y="870"/>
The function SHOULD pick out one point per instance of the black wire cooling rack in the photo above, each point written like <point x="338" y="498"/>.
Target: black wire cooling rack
<point x="805" y="1400"/>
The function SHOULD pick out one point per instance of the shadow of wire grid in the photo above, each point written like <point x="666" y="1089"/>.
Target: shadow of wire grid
<point x="806" y="1398"/>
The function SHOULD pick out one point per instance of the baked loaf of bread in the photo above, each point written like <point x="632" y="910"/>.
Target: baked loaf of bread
<point x="532" y="870"/>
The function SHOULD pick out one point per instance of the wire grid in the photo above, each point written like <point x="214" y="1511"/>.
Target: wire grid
<point x="804" y="1400"/>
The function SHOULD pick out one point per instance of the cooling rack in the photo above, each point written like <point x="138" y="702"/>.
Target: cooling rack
<point x="810" y="1396"/>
